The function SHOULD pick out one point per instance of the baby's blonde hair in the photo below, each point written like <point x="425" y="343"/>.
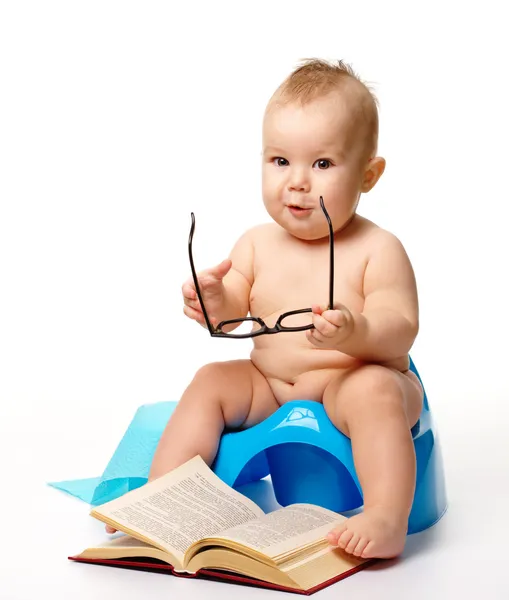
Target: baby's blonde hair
<point x="315" y="78"/>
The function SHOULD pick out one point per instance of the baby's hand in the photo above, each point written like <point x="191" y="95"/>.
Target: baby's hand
<point x="332" y="327"/>
<point x="211" y="287"/>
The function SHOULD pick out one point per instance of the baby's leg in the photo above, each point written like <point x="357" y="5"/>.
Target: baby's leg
<point x="376" y="407"/>
<point x="232" y="394"/>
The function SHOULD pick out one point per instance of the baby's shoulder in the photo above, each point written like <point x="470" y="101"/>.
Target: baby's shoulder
<point x="262" y="233"/>
<point x="376" y="238"/>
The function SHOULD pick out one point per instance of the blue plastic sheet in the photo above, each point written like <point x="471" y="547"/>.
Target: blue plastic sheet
<point x="129" y="466"/>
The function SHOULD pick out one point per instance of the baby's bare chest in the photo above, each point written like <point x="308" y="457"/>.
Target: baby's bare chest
<point x="287" y="278"/>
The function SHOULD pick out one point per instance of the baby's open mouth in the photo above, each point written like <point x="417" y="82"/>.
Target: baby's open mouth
<point x="300" y="212"/>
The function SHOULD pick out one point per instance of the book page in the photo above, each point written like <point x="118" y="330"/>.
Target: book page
<point x="179" y="508"/>
<point x="123" y="541"/>
<point x="283" y="531"/>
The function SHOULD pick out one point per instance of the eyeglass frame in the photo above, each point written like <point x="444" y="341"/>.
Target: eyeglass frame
<point x="264" y="329"/>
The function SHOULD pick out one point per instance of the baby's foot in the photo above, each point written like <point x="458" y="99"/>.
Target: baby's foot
<point x="375" y="533"/>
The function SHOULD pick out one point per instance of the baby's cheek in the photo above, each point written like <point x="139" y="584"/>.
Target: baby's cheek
<point x="269" y="183"/>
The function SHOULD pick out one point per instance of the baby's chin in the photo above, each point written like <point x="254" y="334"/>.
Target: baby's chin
<point x="306" y="236"/>
<point x="303" y="229"/>
<point x="303" y="232"/>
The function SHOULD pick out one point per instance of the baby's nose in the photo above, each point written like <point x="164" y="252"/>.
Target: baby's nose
<point x="298" y="181"/>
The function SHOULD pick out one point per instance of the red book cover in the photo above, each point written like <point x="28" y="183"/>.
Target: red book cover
<point x="149" y="564"/>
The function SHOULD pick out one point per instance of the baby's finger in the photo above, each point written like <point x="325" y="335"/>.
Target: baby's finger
<point x="193" y="304"/>
<point x="197" y="315"/>
<point x="310" y="336"/>
<point x="188" y="291"/>
<point x="194" y="314"/>
<point x="336" y="317"/>
<point x="219" y="271"/>
<point x="323" y="326"/>
<point x="315" y="337"/>
<point x="317" y="309"/>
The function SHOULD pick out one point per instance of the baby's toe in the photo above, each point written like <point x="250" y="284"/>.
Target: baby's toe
<point x="110" y="529"/>
<point x="352" y="544"/>
<point x="368" y="550"/>
<point x="344" y="539"/>
<point x="334" y="535"/>
<point x="361" y="546"/>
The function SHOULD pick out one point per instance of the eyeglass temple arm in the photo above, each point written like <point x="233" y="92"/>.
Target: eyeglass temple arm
<point x="331" y="255"/>
<point x="195" y="278"/>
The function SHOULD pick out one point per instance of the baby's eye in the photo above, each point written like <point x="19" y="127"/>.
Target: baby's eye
<point x="322" y="163"/>
<point x="280" y="161"/>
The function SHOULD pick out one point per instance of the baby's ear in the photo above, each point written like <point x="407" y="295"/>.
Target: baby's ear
<point x="373" y="172"/>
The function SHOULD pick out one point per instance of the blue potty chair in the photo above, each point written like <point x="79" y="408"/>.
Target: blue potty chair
<point x="310" y="461"/>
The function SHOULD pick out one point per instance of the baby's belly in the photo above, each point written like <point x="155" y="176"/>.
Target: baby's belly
<point x="298" y="371"/>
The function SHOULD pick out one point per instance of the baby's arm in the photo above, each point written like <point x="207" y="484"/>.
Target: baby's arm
<point x="389" y="322"/>
<point x="238" y="280"/>
<point x="225" y="288"/>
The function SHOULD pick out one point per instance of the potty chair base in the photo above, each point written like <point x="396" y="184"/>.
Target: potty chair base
<point x="310" y="461"/>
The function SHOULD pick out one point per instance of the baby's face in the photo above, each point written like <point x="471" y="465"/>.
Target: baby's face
<point x="311" y="151"/>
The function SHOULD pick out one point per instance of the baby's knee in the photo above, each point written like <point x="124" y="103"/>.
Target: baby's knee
<point x="212" y="374"/>
<point x="374" y="383"/>
<point x="205" y="393"/>
<point x="216" y="383"/>
<point x="369" y="389"/>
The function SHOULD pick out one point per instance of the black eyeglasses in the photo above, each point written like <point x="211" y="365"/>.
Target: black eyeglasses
<point x="264" y="329"/>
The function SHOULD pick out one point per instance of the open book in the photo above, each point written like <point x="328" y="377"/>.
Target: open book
<point x="189" y="522"/>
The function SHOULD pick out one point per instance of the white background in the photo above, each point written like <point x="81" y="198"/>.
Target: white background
<point x="117" y="120"/>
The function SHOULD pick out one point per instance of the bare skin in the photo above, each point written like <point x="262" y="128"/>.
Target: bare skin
<point x="355" y="361"/>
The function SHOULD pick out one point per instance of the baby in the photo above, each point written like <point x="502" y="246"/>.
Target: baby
<point x="320" y="133"/>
